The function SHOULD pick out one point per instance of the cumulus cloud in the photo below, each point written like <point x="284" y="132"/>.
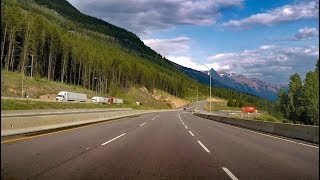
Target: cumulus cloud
<point x="302" y="34"/>
<point x="168" y="46"/>
<point x="306" y="33"/>
<point x="271" y="63"/>
<point x="302" y="10"/>
<point x="143" y="16"/>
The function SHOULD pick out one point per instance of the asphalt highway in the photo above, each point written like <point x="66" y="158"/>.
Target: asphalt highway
<point x="168" y="145"/>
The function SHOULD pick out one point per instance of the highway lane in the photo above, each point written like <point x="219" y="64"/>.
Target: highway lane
<point x="174" y="145"/>
<point x="255" y="156"/>
<point x="32" y="156"/>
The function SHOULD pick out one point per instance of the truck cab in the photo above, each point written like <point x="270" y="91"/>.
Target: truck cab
<point x="61" y="96"/>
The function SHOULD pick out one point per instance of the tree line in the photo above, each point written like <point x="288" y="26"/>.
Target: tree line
<point x="301" y="103"/>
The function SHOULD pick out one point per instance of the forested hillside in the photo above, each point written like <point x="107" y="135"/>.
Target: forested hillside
<point x="125" y="38"/>
<point x="55" y="41"/>
<point x="61" y="50"/>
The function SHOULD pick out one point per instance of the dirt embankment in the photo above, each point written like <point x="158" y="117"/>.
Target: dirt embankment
<point x="48" y="97"/>
<point x="174" y="101"/>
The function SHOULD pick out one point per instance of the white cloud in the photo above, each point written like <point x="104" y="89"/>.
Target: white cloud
<point x="266" y="47"/>
<point x="190" y="63"/>
<point x="173" y="49"/>
<point x="143" y="16"/>
<point x="273" y="63"/>
<point x="168" y="46"/>
<point x="306" y="33"/>
<point x="303" y="10"/>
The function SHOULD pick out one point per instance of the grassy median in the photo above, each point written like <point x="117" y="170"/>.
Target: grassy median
<point x="8" y="104"/>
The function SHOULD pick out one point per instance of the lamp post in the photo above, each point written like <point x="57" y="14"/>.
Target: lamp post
<point x="197" y="90"/>
<point x="209" y="73"/>
<point x="23" y="79"/>
<point x="99" y="88"/>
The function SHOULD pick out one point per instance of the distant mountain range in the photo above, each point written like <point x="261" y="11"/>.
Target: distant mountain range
<point x="236" y="82"/>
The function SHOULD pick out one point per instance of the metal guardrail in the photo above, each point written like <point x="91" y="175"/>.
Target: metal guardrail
<point x="19" y="124"/>
<point x="42" y="112"/>
<point x="296" y="131"/>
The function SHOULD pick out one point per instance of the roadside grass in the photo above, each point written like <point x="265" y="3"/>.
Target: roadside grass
<point x="9" y="104"/>
<point x="36" y="87"/>
<point x="262" y="116"/>
<point x="222" y="105"/>
<point x="267" y="117"/>
<point x="219" y="105"/>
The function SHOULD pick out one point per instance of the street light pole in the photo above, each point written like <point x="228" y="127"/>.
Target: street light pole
<point x="209" y="73"/>
<point x="99" y="88"/>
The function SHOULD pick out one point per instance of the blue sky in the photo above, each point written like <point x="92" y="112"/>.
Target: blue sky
<point x="269" y="40"/>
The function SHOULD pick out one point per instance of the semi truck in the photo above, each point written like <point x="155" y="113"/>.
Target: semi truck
<point x="71" y="96"/>
<point x="97" y="99"/>
<point x="112" y="100"/>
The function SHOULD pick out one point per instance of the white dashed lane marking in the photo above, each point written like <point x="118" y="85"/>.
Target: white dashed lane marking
<point x="113" y="139"/>
<point x="191" y="133"/>
<point x="204" y="147"/>
<point x="233" y="177"/>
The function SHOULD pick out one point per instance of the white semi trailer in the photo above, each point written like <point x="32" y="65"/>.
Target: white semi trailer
<point x="117" y="101"/>
<point x="97" y="99"/>
<point x="71" y="96"/>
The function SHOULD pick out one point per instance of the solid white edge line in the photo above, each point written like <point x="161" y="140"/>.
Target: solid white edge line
<point x="113" y="139"/>
<point x="233" y="177"/>
<point x="191" y="133"/>
<point x="143" y="124"/>
<point x="273" y="136"/>
<point x="186" y="127"/>
<point x="206" y="149"/>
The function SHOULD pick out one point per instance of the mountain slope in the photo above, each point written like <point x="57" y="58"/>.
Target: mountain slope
<point x="255" y="83"/>
<point x="126" y="38"/>
<point x="261" y="88"/>
<point x="134" y="45"/>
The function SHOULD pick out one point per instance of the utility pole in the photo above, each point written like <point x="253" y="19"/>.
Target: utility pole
<point x="209" y="73"/>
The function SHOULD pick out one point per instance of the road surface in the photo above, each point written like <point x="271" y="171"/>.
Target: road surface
<point x="168" y="145"/>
